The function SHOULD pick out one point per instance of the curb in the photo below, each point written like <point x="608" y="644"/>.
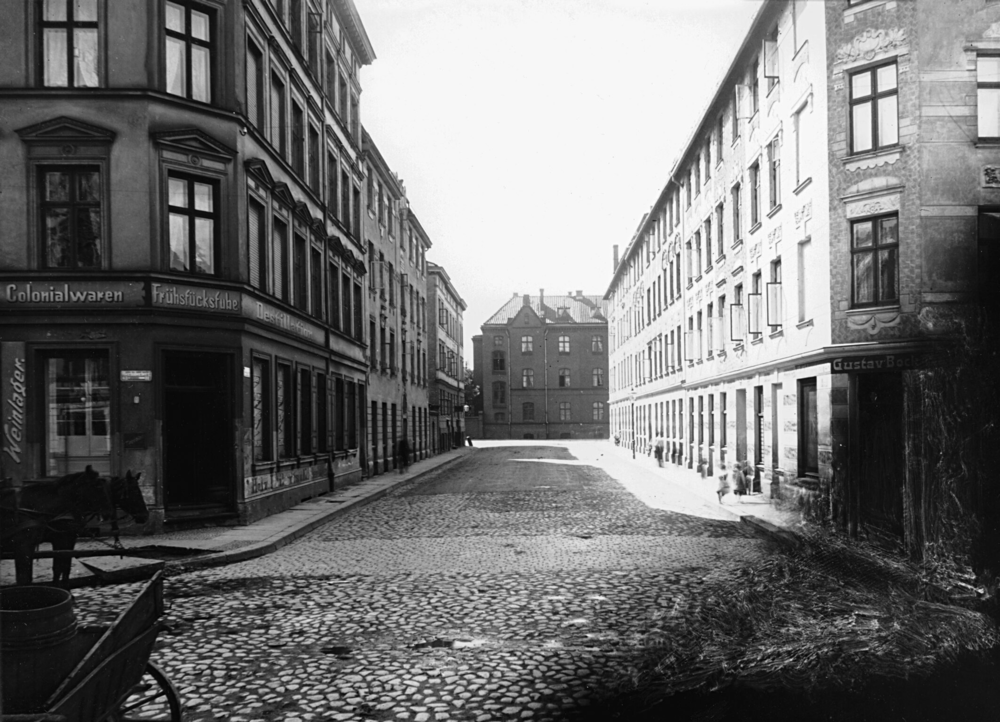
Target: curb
<point x="779" y="534"/>
<point x="260" y="549"/>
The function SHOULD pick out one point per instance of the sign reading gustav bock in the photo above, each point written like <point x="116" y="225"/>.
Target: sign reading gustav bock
<point x="13" y="371"/>
<point x="882" y="362"/>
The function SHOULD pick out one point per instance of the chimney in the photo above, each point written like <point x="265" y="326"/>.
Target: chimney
<point x="527" y="300"/>
<point x="579" y="293"/>
<point x="616" y="258"/>
<point x="541" y="296"/>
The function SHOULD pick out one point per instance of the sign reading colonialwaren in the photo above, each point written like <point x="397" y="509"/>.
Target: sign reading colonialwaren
<point x="882" y="362"/>
<point x="72" y="294"/>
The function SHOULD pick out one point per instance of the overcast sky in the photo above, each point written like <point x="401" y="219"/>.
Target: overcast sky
<point x="532" y="135"/>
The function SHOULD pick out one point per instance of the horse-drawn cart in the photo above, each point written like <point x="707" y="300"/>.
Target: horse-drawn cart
<point x="56" y="671"/>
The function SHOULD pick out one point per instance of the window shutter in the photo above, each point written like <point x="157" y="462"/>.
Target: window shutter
<point x="737" y="326"/>
<point x="775" y="312"/>
<point x="770" y="58"/>
<point x="753" y="315"/>
<point x="253" y="238"/>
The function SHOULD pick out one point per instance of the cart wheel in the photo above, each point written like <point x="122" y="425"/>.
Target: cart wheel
<point x="153" y="699"/>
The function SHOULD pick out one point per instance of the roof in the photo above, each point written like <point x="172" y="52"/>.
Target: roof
<point x="351" y="21"/>
<point x="434" y="269"/>
<point x="555" y="309"/>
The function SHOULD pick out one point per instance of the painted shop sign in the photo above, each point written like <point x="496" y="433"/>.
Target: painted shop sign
<point x="136" y="375"/>
<point x="882" y="362"/>
<point x="272" y="316"/>
<point x="13" y="458"/>
<point x="173" y="295"/>
<point x="69" y="295"/>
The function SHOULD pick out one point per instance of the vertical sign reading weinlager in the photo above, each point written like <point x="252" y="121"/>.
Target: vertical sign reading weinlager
<point x="13" y="456"/>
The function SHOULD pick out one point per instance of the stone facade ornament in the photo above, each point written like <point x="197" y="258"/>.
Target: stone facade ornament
<point x="873" y="206"/>
<point x="803" y="214"/>
<point x="993" y="31"/>
<point x="869" y="45"/>
<point x="873" y="322"/>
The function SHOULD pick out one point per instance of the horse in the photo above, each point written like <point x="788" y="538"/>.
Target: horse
<point x="58" y="512"/>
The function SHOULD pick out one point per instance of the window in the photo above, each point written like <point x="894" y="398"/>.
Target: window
<point x="499" y="393"/>
<point x="774" y="173"/>
<point x="874" y="252"/>
<point x="298" y="139"/>
<point x="708" y="243"/>
<point x="737" y="321"/>
<point x="277" y="134"/>
<point x="322" y="414"/>
<point x="564" y="378"/>
<point x="797" y="129"/>
<point x="499" y="362"/>
<point x="299" y="269"/>
<point x="771" y="58"/>
<point x="527" y="411"/>
<point x="708" y="160"/>
<point x="598" y="377"/>
<point x="527" y="378"/>
<point x="69" y="48"/>
<point x="805" y="260"/>
<point x="719" y="220"/>
<point x="598" y="410"/>
<point x="564" y="344"/>
<point x="279" y="233"/>
<point x="355" y="121"/>
<point x="258" y="247"/>
<point x="988" y="95"/>
<point x="775" y="299"/>
<point x="314" y="156"/>
<point x="753" y="305"/>
<point x="192" y="216"/>
<point x="283" y="403"/>
<point x="697" y="174"/>
<point x="737" y="214"/>
<point x="499" y="417"/>
<point x="70" y="216"/>
<point x="737" y="106"/>
<point x="564" y="411"/>
<point x="527" y="344"/>
<point x="710" y="330"/>
<point x="77" y="413"/>
<point x="255" y="85"/>
<point x="754" y="194"/>
<point x="189" y="51"/>
<point x="874" y="109"/>
<point x="316" y="282"/>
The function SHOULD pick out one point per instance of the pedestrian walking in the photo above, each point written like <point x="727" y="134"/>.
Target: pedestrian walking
<point x="723" y="487"/>
<point x="738" y="480"/>
<point x="403" y="455"/>
<point x="658" y="447"/>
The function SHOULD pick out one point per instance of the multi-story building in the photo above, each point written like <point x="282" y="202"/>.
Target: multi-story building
<point x="181" y="248"/>
<point x="446" y="392"/>
<point x="543" y="362"/>
<point x="413" y="248"/>
<point x="815" y="239"/>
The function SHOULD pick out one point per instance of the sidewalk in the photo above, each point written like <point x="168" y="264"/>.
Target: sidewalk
<point x="182" y="551"/>
<point x="755" y="509"/>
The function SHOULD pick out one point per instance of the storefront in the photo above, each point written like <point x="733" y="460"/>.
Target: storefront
<point x="230" y="406"/>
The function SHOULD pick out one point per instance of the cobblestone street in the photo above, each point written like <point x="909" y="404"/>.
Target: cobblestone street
<point x="507" y="586"/>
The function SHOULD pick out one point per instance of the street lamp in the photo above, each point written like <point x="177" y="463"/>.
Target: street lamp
<point x="631" y="398"/>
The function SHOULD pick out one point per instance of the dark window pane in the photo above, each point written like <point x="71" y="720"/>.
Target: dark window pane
<point x="888" y="231"/>
<point x="887" y="275"/>
<point x="56" y="186"/>
<point x="864" y="281"/>
<point x="863" y="234"/>
<point x="57" y="238"/>
<point x="88" y="189"/>
<point x="88" y="237"/>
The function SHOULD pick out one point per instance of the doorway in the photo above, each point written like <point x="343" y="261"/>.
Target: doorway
<point x="197" y="434"/>
<point x="741" y="425"/>
<point x="880" y="450"/>
<point x="758" y="435"/>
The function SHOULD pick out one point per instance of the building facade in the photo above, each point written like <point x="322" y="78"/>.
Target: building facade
<point x="446" y="391"/>
<point x="187" y="288"/>
<point x="814" y="245"/>
<point x="543" y="365"/>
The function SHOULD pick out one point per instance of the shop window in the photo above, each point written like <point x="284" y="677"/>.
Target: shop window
<point x="70" y="205"/>
<point x="283" y="411"/>
<point x="77" y="413"/>
<point x="189" y="51"/>
<point x="70" y="53"/>
<point x="808" y="428"/>
<point x="874" y="256"/>
<point x="193" y="224"/>
<point x="261" y="411"/>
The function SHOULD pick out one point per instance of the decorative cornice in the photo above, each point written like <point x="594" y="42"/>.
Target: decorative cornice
<point x="869" y="45"/>
<point x="193" y="140"/>
<point x="63" y="129"/>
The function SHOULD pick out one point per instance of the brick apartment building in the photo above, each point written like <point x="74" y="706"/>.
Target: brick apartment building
<point x="814" y="244"/>
<point x="543" y="365"/>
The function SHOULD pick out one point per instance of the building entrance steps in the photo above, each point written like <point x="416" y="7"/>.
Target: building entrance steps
<point x="190" y="549"/>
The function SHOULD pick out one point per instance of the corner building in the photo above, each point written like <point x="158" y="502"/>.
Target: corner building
<point x="815" y="243"/>
<point x="543" y="362"/>
<point x="446" y="391"/>
<point x="182" y="270"/>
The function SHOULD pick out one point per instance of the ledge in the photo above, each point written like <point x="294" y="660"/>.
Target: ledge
<point x="777" y="334"/>
<point x="802" y="186"/>
<point x="872" y="159"/>
<point x="804" y="324"/>
<point x="771" y="213"/>
<point x="755" y="227"/>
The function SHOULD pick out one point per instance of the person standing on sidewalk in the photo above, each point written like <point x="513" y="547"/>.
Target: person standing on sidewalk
<point x="658" y="447"/>
<point x="723" y="487"/>
<point x="403" y="451"/>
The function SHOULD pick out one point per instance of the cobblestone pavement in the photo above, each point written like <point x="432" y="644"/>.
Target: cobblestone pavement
<point x="509" y="586"/>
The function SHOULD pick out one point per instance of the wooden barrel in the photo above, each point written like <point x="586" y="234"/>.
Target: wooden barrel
<point x="37" y="626"/>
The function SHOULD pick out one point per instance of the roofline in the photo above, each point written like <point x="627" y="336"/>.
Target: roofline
<point x="439" y="270"/>
<point x="357" y="30"/>
<point x="371" y="150"/>
<point x="764" y="12"/>
<point x="412" y="217"/>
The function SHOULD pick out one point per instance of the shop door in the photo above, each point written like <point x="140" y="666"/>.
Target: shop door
<point x="880" y="460"/>
<point x="197" y="434"/>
